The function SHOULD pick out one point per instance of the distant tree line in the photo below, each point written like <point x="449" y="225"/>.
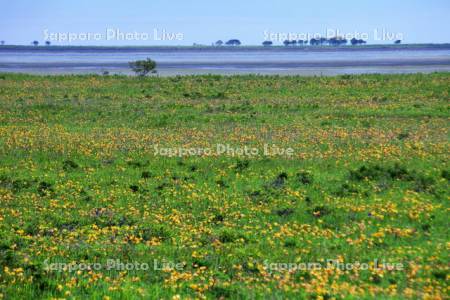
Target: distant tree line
<point x="288" y="43"/>
<point x="335" y="41"/>
<point x="36" y="43"/>
<point x="232" y="42"/>
<point x="320" y="41"/>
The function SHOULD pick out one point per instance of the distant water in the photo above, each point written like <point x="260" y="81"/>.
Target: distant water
<point x="181" y="61"/>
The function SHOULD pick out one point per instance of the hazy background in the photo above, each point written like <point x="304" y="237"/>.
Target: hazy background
<point x="206" y="21"/>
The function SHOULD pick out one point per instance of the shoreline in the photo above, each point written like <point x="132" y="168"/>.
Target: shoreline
<point x="313" y="72"/>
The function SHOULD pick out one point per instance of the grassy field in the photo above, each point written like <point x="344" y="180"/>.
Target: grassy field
<point x="82" y="185"/>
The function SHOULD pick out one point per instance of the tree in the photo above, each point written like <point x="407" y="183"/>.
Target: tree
<point x="36" y="43"/>
<point x="398" y="42"/>
<point x="2" y="42"/>
<point x="48" y="43"/>
<point x="233" y="42"/>
<point x="267" y="43"/>
<point x="219" y="43"/>
<point x="355" y="42"/>
<point x="337" y="41"/>
<point x="143" y="67"/>
<point x="289" y="43"/>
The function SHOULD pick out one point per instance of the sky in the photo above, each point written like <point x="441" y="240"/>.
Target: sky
<point x="181" y="22"/>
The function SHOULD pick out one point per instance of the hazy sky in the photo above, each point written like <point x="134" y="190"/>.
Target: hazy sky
<point x="205" y="21"/>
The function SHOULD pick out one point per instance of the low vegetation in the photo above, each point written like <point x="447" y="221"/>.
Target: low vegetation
<point x="80" y="184"/>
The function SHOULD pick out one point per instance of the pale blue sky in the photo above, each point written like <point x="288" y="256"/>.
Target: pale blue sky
<point x="205" y="21"/>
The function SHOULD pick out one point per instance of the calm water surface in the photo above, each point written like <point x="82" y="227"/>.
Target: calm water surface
<point x="173" y="61"/>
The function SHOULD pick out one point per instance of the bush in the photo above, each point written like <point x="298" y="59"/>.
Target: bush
<point x="143" y="67"/>
<point x="376" y="172"/>
<point x="305" y="177"/>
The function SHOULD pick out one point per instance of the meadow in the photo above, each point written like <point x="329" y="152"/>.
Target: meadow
<point x="81" y="185"/>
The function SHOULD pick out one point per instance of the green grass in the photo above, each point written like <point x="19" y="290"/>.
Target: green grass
<point x="80" y="182"/>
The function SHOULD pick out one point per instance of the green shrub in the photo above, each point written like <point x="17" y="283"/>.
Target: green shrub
<point x="143" y="67"/>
